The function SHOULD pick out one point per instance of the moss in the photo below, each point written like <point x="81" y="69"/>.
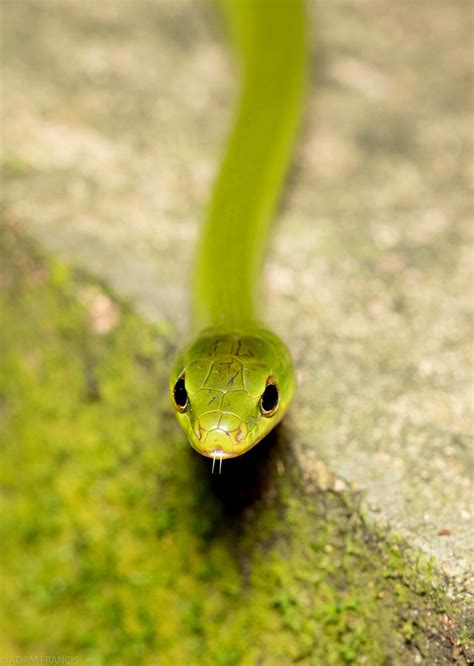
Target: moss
<point x="119" y="547"/>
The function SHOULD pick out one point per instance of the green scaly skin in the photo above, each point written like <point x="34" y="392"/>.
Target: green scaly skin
<point x="234" y="358"/>
<point x="225" y="374"/>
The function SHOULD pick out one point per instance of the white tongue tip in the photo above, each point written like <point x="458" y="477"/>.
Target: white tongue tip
<point x="217" y="453"/>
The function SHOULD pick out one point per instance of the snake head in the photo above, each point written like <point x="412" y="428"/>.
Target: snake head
<point x="230" y="389"/>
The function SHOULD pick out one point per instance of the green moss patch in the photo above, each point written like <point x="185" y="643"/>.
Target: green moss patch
<point x="119" y="547"/>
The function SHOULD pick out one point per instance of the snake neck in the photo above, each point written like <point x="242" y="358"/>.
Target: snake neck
<point x="270" y="41"/>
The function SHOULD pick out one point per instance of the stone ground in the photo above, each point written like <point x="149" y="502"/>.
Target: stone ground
<point x="114" y="114"/>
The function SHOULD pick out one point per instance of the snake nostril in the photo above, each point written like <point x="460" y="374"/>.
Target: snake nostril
<point x="240" y="435"/>
<point x="198" y="433"/>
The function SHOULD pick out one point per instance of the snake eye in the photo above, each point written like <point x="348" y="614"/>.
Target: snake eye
<point x="180" y="395"/>
<point x="270" y="399"/>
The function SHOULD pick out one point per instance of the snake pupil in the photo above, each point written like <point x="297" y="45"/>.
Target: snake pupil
<point x="269" y="400"/>
<point x="180" y="395"/>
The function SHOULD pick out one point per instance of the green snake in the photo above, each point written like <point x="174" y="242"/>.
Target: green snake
<point x="234" y="382"/>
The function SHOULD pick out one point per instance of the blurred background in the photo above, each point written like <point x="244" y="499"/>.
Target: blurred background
<point x="346" y="538"/>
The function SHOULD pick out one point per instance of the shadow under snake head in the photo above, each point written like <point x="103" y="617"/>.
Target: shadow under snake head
<point x="230" y="389"/>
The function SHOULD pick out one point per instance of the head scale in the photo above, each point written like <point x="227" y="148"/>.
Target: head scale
<point x="230" y="389"/>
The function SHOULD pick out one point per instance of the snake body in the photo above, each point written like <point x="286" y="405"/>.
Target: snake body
<point x="234" y="382"/>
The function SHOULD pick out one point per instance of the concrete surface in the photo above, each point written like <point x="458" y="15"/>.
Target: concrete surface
<point x="113" y="120"/>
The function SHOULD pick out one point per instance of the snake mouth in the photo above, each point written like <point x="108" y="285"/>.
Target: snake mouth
<point x="218" y="454"/>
